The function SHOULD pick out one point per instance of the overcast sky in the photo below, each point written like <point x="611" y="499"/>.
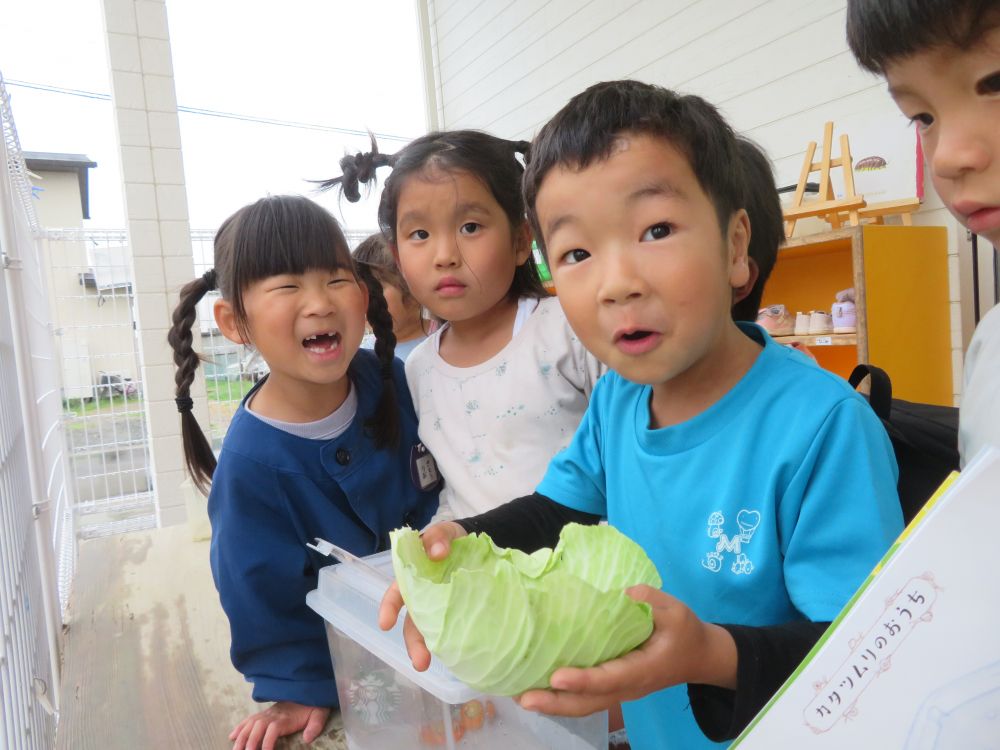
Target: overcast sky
<point x="337" y="63"/>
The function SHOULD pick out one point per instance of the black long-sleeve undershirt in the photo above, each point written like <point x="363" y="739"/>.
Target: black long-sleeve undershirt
<point x="527" y="523"/>
<point x="765" y="655"/>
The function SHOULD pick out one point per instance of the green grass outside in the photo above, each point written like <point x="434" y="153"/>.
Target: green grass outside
<point x="218" y="390"/>
<point x="227" y="390"/>
<point x="80" y="407"/>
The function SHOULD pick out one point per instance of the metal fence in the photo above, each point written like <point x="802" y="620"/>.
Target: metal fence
<point x="93" y="306"/>
<point x="35" y="498"/>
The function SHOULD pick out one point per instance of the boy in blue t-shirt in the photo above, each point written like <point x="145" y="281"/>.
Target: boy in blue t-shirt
<point x="761" y="486"/>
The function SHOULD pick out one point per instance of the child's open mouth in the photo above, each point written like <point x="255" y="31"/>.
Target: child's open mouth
<point x="638" y="341"/>
<point x="636" y="335"/>
<point x="321" y="343"/>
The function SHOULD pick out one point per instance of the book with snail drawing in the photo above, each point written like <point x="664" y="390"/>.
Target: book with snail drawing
<point x="913" y="660"/>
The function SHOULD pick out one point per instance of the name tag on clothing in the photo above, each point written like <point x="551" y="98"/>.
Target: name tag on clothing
<point x="423" y="468"/>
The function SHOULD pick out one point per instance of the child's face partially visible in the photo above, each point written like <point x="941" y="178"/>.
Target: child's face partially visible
<point x="954" y="98"/>
<point x="643" y="271"/>
<point x="455" y="245"/>
<point x="404" y="311"/>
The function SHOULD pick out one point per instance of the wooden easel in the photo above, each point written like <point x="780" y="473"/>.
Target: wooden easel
<point x="904" y="208"/>
<point x="826" y="205"/>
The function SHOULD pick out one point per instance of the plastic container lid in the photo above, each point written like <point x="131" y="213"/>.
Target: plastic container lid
<point x="348" y="596"/>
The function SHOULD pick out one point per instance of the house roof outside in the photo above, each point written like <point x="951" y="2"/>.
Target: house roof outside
<point x="46" y="161"/>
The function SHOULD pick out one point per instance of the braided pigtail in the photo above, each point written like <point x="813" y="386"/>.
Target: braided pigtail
<point x="198" y="454"/>
<point x="358" y="169"/>
<point x="385" y="422"/>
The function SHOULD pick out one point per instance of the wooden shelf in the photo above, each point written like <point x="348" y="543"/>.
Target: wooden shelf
<point x="836" y="241"/>
<point x="900" y="278"/>
<point x="829" y="339"/>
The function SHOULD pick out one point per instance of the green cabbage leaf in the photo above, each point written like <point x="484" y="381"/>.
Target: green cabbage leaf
<point x="503" y="621"/>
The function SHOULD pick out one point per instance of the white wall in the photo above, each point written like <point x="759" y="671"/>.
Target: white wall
<point x="778" y="70"/>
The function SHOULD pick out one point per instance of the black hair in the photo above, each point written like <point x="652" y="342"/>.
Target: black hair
<point x="489" y="159"/>
<point x="373" y="252"/>
<point x="767" y="226"/>
<point x="280" y="234"/>
<point x="880" y="32"/>
<point x="587" y="128"/>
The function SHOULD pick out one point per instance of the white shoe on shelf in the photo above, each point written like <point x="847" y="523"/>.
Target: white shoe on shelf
<point x="820" y="323"/>
<point x="801" y="324"/>
<point x="776" y="320"/>
<point x="845" y="317"/>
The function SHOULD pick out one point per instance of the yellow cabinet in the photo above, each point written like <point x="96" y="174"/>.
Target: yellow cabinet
<point x="900" y="277"/>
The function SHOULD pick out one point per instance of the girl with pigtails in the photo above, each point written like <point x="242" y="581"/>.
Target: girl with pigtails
<point x="321" y="447"/>
<point x="501" y="386"/>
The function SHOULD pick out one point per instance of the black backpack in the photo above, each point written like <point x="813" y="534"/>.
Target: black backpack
<point x="924" y="438"/>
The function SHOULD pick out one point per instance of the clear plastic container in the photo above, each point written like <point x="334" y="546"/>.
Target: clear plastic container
<point x="386" y="704"/>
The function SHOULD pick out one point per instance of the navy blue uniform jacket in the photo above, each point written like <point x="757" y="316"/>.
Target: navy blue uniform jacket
<point x="271" y="493"/>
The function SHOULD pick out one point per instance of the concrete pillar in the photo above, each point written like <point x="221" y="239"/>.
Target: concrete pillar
<point x="149" y="142"/>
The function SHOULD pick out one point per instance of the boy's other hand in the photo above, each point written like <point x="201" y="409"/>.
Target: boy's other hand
<point x="262" y="730"/>
<point x="437" y="541"/>
<point x="681" y="649"/>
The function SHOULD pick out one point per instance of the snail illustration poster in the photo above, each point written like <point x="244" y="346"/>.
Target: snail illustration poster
<point x="886" y="155"/>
